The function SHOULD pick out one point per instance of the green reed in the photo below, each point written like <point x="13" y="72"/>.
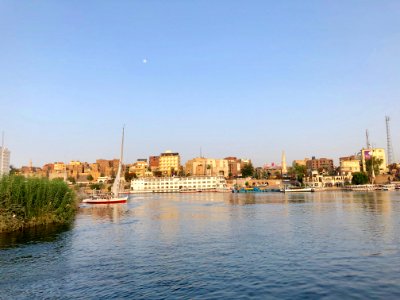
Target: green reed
<point x="34" y="201"/>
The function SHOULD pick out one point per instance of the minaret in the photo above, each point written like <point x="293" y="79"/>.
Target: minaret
<point x="284" y="169"/>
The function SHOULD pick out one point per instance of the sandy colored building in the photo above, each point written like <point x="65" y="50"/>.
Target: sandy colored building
<point x="300" y="162"/>
<point x="202" y="166"/>
<point x="350" y="164"/>
<point x="59" y="170"/>
<point x="169" y="163"/>
<point x="379" y="153"/>
<point x="140" y="168"/>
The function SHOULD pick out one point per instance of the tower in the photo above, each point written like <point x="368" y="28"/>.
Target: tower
<point x="4" y="159"/>
<point x="284" y="169"/>
<point x="389" y="142"/>
<point x="367" y="136"/>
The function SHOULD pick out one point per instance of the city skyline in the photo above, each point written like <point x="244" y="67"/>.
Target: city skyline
<point x="249" y="81"/>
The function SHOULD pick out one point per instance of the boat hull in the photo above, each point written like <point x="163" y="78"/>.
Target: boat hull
<point x="302" y="190"/>
<point x="106" y="201"/>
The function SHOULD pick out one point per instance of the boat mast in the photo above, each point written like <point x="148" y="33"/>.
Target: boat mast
<point x="117" y="181"/>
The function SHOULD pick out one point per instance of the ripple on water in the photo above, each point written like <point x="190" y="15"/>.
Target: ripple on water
<point x="321" y="245"/>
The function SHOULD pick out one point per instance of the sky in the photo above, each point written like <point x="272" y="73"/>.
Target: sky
<point x="234" y="78"/>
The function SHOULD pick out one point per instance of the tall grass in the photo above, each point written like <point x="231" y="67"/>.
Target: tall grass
<point x="26" y="202"/>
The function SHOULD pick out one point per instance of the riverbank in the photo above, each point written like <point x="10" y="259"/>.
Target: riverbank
<point x="29" y="202"/>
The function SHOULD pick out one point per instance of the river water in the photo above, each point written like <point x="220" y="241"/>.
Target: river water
<point x="207" y="246"/>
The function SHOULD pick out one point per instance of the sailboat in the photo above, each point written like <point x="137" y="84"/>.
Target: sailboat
<point x="114" y="196"/>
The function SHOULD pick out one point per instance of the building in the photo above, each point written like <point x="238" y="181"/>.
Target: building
<point x="320" y="164"/>
<point x="107" y="167"/>
<point x="58" y="170"/>
<point x="320" y="181"/>
<point x="234" y="167"/>
<point x="154" y="163"/>
<point x="376" y="154"/>
<point x="178" y="184"/>
<point x="140" y="168"/>
<point x="75" y="169"/>
<point x="31" y="171"/>
<point x="4" y="161"/>
<point x="350" y="164"/>
<point x="169" y="163"/>
<point x="272" y="171"/>
<point x="201" y="166"/>
<point x="300" y="162"/>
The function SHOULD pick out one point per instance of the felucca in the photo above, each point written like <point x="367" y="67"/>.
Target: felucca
<point x="112" y="198"/>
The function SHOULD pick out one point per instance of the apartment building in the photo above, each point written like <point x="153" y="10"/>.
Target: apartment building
<point x="350" y="164"/>
<point x="169" y="163"/>
<point x="320" y="164"/>
<point x="201" y="166"/>
<point x="375" y="153"/>
<point x="4" y="161"/>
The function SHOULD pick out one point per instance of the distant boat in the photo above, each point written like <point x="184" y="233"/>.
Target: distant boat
<point x="361" y="187"/>
<point x="388" y="187"/>
<point x="112" y="198"/>
<point x="293" y="189"/>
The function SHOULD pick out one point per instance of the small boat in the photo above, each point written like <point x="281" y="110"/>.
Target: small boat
<point x="105" y="199"/>
<point x="361" y="188"/>
<point x="388" y="187"/>
<point x="292" y="189"/>
<point x="112" y="198"/>
<point x="187" y="191"/>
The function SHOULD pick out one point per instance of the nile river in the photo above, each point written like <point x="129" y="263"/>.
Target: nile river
<point x="214" y="246"/>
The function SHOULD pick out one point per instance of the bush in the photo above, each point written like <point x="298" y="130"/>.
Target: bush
<point x="34" y="201"/>
<point x="359" y="178"/>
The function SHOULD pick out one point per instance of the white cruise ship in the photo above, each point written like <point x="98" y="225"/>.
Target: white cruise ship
<point x="178" y="184"/>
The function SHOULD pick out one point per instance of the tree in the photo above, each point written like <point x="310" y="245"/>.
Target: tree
<point x="393" y="169"/>
<point x="377" y="163"/>
<point x="13" y="170"/>
<point x="71" y="179"/>
<point x="89" y="177"/>
<point x="359" y="178"/>
<point x="129" y="176"/>
<point x="298" y="172"/>
<point x="247" y="170"/>
<point x="157" y="173"/>
<point x="96" y="186"/>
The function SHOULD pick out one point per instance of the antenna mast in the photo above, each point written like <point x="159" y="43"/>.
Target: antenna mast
<point x="389" y="142"/>
<point x="367" y="136"/>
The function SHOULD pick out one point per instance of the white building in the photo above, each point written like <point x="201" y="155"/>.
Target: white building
<point x="178" y="184"/>
<point x="4" y="161"/>
<point x="320" y="181"/>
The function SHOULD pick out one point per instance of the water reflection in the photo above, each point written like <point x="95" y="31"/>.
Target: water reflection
<point x="217" y="246"/>
<point x="40" y="234"/>
<point x="112" y="213"/>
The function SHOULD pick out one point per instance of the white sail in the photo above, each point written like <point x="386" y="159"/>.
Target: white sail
<point x="117" y="182"/>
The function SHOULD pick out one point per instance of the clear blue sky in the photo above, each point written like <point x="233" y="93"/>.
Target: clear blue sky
<point x="237" y="78"/>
